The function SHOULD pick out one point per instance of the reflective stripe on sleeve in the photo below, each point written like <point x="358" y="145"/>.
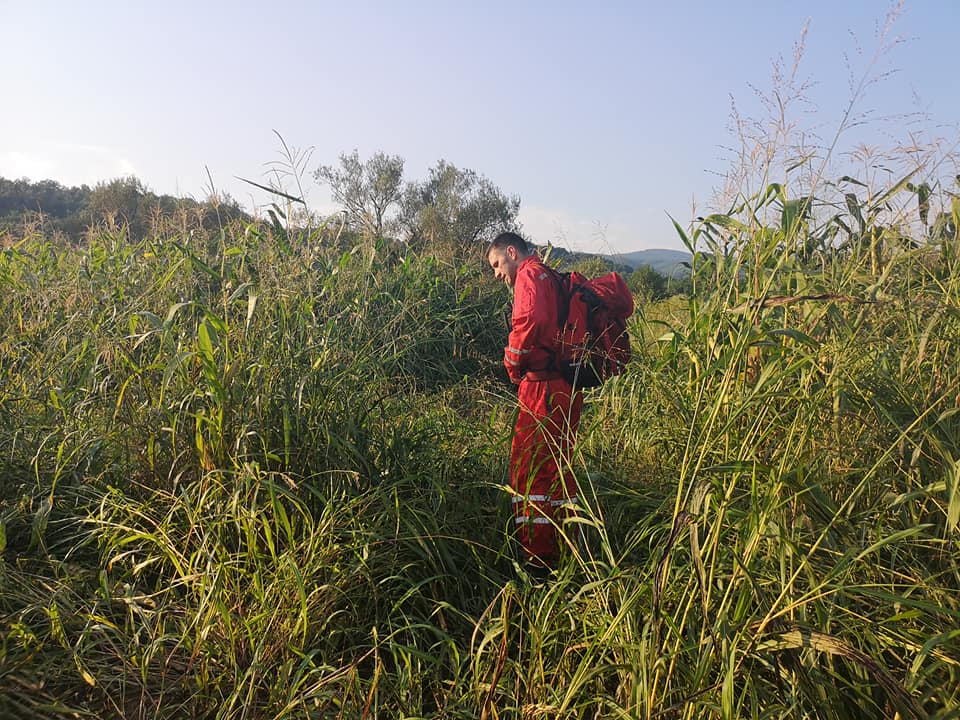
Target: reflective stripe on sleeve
<point x="531" y="498"/>
<point x="534" y="520"/>
<point x="572" y="501"/>
<point x="516" y="352"/>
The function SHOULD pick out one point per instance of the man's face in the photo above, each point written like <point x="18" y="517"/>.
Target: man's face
<point x="504" y="262"/>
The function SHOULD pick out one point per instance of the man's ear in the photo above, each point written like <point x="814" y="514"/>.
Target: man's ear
<point x="512" y="252"/>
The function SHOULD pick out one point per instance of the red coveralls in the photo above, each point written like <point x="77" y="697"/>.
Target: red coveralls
<point x="544" y="488"/>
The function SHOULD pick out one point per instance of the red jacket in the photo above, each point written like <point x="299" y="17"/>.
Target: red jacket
<point x="533" y="338"/>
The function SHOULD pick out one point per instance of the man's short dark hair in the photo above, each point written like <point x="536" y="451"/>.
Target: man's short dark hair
<point x="509" y="239"/>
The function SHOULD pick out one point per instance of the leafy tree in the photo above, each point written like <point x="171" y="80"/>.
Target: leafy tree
<point x="366" y="190"/>
<point x="46" y="196"/>
<point x="647" y="283"/>
<point x="455" y="207"/>
<point x="126" y="200"/>
<point x="46" y="203"/>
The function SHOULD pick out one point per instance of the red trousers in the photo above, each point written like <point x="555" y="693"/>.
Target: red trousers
<point x="544" y="488"/>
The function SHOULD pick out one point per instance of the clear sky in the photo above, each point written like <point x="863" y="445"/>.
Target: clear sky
<point x="603" y="117"/>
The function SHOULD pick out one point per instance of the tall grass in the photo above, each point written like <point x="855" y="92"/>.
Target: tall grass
<point x="204" y="433"/>
<point x="805" y="411"/>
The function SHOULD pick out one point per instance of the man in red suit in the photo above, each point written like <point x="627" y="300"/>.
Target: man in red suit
<point x="544" y="488"/>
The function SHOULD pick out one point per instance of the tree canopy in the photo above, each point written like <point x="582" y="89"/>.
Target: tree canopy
<point x="454" y="206"/>
<point x="366" y="189"/>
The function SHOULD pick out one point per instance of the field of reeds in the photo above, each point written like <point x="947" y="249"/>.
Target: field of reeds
<point x="245" y="474"/>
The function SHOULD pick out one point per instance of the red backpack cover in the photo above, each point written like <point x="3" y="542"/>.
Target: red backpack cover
<point x="593" y="341"/>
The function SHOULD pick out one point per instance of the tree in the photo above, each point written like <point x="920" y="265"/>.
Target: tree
<point x="647" y="283"/>
<point x="45" y="196"/>
<point x="124" y="199"/>
<point x="650" y="285"/>
<point x="366" y="190"/>
<point x="455" y="206"/>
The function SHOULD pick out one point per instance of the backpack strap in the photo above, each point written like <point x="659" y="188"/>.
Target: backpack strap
<point x="561" y="281"/>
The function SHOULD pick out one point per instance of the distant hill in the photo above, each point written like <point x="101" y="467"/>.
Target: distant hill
<point x="668" y="263"/>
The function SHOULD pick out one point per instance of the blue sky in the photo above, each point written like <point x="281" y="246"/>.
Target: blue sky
<point x="602" y="117"/>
